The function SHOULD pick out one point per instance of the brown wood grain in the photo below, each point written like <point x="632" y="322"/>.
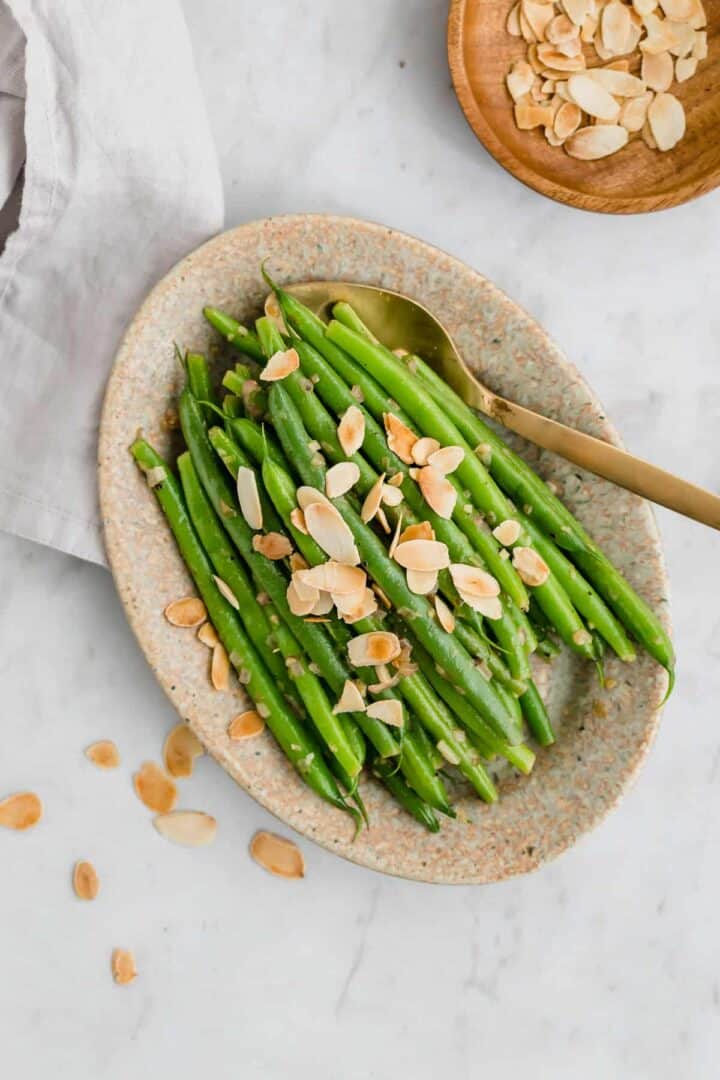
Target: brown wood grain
<point x="636" y="179"/>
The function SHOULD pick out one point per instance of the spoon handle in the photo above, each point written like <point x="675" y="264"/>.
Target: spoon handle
<point x="607" y="461"/>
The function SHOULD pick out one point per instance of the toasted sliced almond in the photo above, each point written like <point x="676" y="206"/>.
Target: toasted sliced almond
<point x="181" y="748"/>
<point x="207" y="634"/>
<point x="373" y="499"/>
<point x="685" y="68"/>
<point x="552" y="138"/>
<point x="187" y="613"/>
<point x="634" y="112"/>
<point x="539" y="15"/>
<point x="220" y="668"/>
<point x="386" y="680"/>
<point x="341" y="478"/>
<point x="154" y="788"/>
<point x="519" y="80"/>
<point x="323" y="605"/>
<point x="532" y="569"/>
<point x="489" y="606"/>
<point x="192" y="828"/>
<point x="279" y="856"/>
<point x="423" y="530"/>
<point x="513" y="21"/>
<point x="104" y="754"/>
<point x="421" y="582"/>
<point x="396" y="480"/>
<point x="576" y="10"/>
<point x="246" y="725"/>
<point x="567" y="120"/>
<point x="297" y="562"/>
<point x="591" y="143"/>
<point x="391" y="712"/>
<point x="249" y="498"/>
<point x="572" y="47"/>
<point x="297" y="519"/>
<point x="635" y="33"/>
<point x="657" y="70"/>
<point x="306" y="496"/>
<point x="666" y="36"/>
<point x="589" y="29"/>
<point x="86" y="882"/>
<point x="351" y="700"/>
<point x="644" y="7"/>
<point x="700" y="47"/>
<point x="438" y="492"/>
<point x="560" y="29"/>
<point x="528" y="117"/>
<point x="526" y="29"/>
<point x="365" y="606"/>
<point x="272" y="545"/>
<point x="666" y="117"/>
<point x="301" y="598"/>
<point x="400" y="438"/>
<point x="615" y="27"/>
<point x="123" y="967"/>
<point x="444" y="614"/>
<point x="473" y="580"/>
<point x="280" y="365"/>
<point x="677" y="10"/>
<point x="592" y="98"/>
<point x="351" y="430"/>
<point x="553" y="60"/>
<point x="447" y="459"/>
<point x="377" y="647"/>
<point x="396" y="536"/>
<point x="391" y="496"/>
<point x="508" y="532"/>
<point x="698" y="19"/>
<point x="21" y="811"/>
<point x="423" y="555"/>
<point x="426" y="446"/>
<point x="617" y="83"/>
<point x="647" y="138"/>
<point x="327" y="528"/>
<point x="225" y="590"/>
<point x="333" y="577"/>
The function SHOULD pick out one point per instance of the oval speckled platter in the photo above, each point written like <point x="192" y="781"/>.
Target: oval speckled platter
<point x="603" y="735"/>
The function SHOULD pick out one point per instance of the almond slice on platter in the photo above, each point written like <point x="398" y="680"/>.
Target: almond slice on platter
<point x="567" y="120"/>
<point x="207" y="634"/>
<point x="186" y="613"/>
<point x="519" y="80"/>
<point x="220" y="668"/>
<point x="618" y="83"/>
<point x="246" y="725"/>
<point x="277" y="855"/>
<point x="351" y="430"/>
<point x="634" y="112"/>
<point x="657" y="70"/>
<point x="599" y="141"/>
<point x="666" y="117"/>
<point x="615" y="27"/>
<point x="593" y="98"/>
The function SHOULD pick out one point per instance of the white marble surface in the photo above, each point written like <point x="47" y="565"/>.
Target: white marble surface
<point x="602" y="965"/>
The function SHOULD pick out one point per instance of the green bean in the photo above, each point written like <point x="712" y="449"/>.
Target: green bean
<point x="405" y="796"/>
<point x="199" y="378"/>
<point x="299" y="747"/>
<point x="239" y="337"/>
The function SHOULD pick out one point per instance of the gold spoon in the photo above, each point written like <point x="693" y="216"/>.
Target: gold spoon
<point x="400" y="322"/>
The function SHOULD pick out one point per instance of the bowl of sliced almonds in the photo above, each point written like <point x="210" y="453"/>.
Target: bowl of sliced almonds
<point x="601" y="104"/>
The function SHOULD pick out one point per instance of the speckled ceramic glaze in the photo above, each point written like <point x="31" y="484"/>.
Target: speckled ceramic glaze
<point x="603" y="735"/>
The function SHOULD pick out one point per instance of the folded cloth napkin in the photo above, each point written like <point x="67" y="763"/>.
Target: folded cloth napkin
<point x="121" y="179"/>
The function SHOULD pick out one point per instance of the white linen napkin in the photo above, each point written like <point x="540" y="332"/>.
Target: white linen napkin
<point x="121" y="179"/>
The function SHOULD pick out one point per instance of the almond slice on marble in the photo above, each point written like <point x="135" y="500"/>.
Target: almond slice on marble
<point x="207" y="634"/>
<point x="617" y="83"/>
<point x="329" y="530"/>
<point x="104" y="754"/>
<point x="593" y="98"/>
<point x="421" y="582"/>
<point x="489" y="606"/>
<point x="567" y="120"/>
<point x="685" y="68"/>
<point x="351" y="430"/>
<point x="531" y="567"/>
<point x="340" y="478"/>
<point x="280" y="365"/>
<point x="363" y="607"/>
<point x="438" y="492"/>
<point x="191" y="828"/>
<point x="444" y="614"/>
<point x="447" y="459"/>
<point x="473" y="580"/>
<point x="513" y="21"/>
<point x="423" y="555"/>
<point x="249" y="498"/>
<point x="377" y="647"/>
<point x="333" y="577"/>
<point x="181" y="748"/>
<point x="220" y="668"/>
<point x="508" y="532"/>
<point x="225" y="590"/>
<point x="666" y="117"/>
<point x="21" y="811"/>
<point x="633" y="114"/>
<point x="351" y="700"/>
<point x="122" y="965"/>
<point x="657" y="70"/>
<point x="277" y="855"/>
<point x="422" y="530"/>
<point x="615" y="27"/>
<point x="86" y="882"/>
<point x="426" y="446"/>
<point x="576" y="10"/>
<point x="599" y="141"/>
<point x="186" y="613"/>
<point x="155" y="788"/>
<point x="272" y="545"/>
<point x="373" y="500"/>
<point x="391" y="496"/>
<point x="400" y="438"/>
<point x="390" y="712"/>
<point x="301" y="599"/>
<point x="246" y="725"/>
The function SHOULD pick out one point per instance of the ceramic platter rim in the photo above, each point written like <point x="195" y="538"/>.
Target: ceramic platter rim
<point x="603" y="737"/>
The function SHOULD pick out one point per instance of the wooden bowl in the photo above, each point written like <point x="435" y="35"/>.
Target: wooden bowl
<point x="632" y="181"/>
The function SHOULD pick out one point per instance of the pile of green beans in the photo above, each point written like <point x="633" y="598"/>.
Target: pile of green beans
<point x="467" y="698"/>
